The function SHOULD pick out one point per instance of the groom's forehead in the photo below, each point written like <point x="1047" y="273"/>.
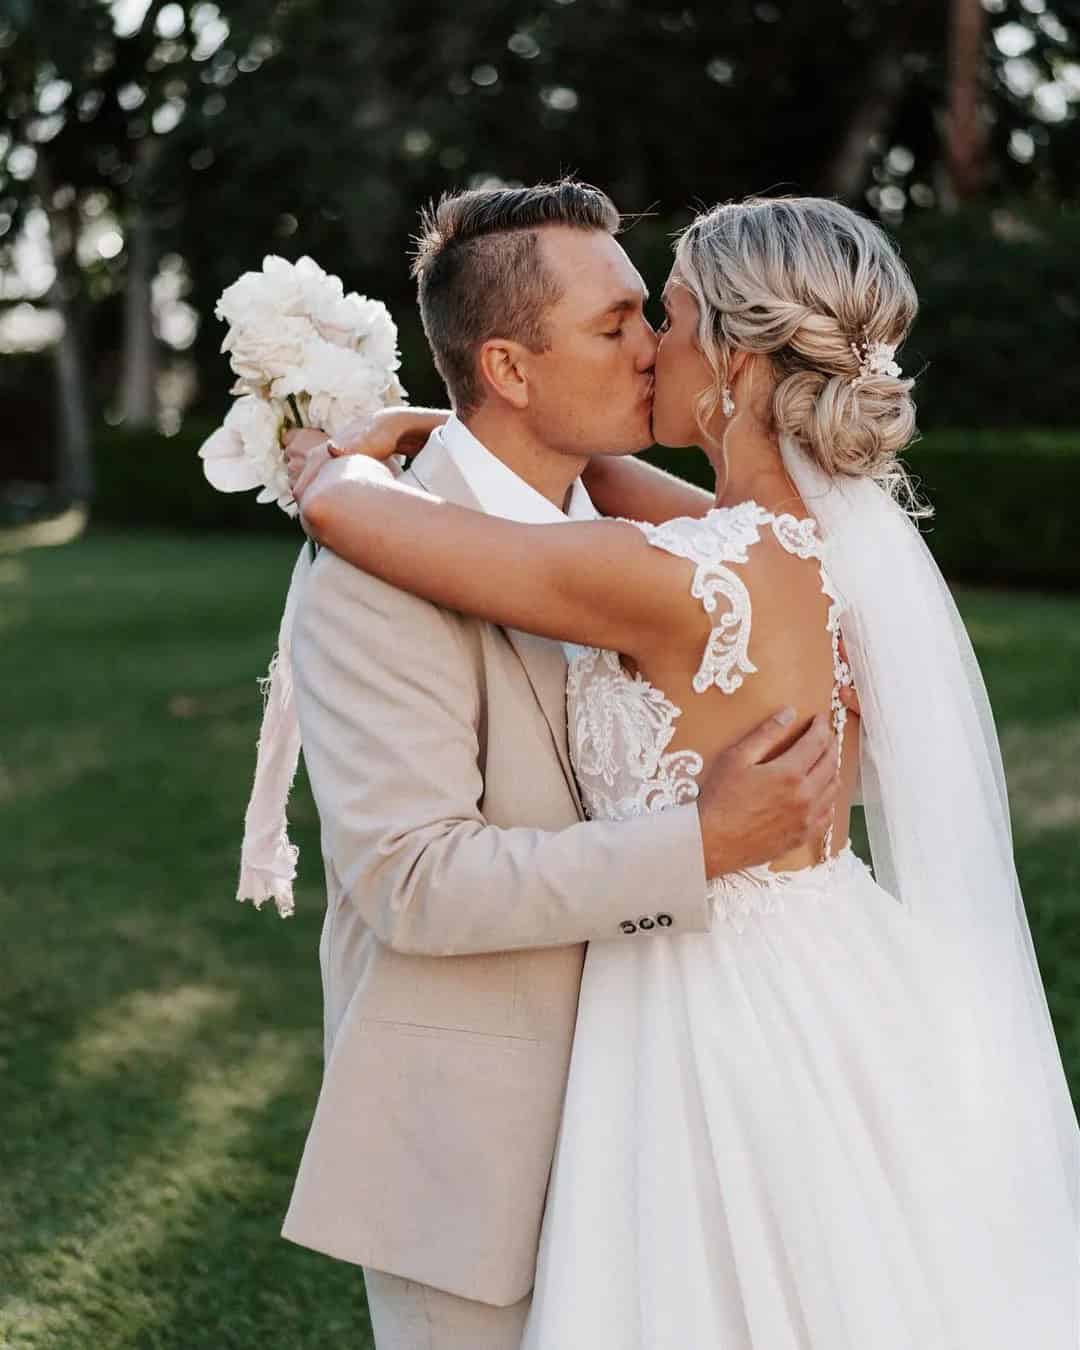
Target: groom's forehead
<point x="594" y="271"/>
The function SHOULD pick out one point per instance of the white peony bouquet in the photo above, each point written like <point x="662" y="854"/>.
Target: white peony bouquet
<point x="305" y="354"/>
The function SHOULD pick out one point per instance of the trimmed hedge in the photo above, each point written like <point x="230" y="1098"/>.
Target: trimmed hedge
<point x="1004" y="500"/>
<point x="1004" y="505"/>
<point x="144" y="478"/>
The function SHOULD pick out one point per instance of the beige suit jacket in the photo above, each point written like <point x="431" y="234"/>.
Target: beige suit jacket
<point x="462" y="884"/>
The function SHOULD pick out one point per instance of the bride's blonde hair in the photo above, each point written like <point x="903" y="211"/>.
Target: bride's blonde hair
<point x="807" y="282"/>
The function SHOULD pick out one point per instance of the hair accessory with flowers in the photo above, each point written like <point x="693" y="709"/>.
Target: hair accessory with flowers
<point x="874" y="358"/>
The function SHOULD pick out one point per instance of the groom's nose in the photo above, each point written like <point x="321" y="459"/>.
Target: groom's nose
<point x="646" y="355"/>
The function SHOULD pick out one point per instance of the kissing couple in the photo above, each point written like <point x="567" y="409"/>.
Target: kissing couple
<point x="625" y="1048"/>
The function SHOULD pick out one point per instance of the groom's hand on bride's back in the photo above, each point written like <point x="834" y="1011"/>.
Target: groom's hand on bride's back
<point x="756" y="805"/>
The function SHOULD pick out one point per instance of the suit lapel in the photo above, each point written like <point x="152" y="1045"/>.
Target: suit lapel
<point x="542" y="658"/>
<point x="545" y="666"/>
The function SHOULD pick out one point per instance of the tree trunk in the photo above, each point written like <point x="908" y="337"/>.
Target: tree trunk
<point x="74" y="456"/>
<point x="846" y="175"/>
<point x="138" y="390"/>
<point x="75" y="463"/>
<point x="886" y="81"/>
<point x="965" y="130"/>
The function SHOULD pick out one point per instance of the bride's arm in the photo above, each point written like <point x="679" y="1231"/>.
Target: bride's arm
<point x="619" y="485"/>
<point x="598" y="583"/>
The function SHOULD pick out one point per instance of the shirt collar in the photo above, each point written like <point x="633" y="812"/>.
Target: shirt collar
<point x="498" y="488"/>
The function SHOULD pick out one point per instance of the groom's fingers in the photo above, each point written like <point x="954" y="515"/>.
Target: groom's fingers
<point x="821" y="782"/>
<point x="763" y="743"/>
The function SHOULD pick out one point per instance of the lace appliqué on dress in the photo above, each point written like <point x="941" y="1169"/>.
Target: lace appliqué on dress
<point x="723" y="536"/>
<point x="620" y="727"/>
<point x="760" y="890"/>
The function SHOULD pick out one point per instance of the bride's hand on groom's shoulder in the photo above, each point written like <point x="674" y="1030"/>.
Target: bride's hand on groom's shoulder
<point x="392" y="431"/>
<point x="401" y="430"/>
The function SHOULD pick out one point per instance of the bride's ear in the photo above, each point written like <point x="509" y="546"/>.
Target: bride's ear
<point x="737" y="362"/>
<point x="503" y="372"/>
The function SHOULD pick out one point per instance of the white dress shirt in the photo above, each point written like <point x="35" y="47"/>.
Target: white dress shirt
<point x="498" y="488"/>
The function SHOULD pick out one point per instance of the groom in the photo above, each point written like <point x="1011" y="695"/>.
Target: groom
<point x="462" y="878"/>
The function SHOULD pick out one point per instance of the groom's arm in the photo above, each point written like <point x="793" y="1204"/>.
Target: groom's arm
<point x="387" y="690"/>
<point x="623" y="485"/>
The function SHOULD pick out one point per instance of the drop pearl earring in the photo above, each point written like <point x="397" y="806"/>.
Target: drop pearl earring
<point x="727" y="403"/>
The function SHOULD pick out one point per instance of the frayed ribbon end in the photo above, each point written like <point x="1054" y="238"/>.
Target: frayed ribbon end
<point x="258" y="886"/>
<point x="265" y="825"/>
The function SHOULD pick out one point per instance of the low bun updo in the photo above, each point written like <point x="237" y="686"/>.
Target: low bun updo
<point x="815" y="287"/>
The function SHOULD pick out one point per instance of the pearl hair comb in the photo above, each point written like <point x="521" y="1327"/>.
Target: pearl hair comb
<point x="874" y="358"/>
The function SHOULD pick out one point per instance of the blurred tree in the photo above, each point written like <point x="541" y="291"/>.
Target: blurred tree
<point x="965" y="132"/>
<point x="90" y="93"/>
<point x="202" y="135"/>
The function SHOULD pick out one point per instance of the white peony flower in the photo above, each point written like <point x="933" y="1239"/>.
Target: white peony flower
<point x="300" y="289"/>
<point x="260" y="353"/>
<point x="300" y="347"/>
<point x="380" y="337"/>
<point x="245" y="452"/>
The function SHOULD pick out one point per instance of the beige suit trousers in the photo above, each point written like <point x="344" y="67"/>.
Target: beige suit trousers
<point x="406" y="1315"/>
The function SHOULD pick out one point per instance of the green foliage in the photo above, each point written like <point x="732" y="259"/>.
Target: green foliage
<point x="997" y="340"/>
<point x="1004" y="503"/>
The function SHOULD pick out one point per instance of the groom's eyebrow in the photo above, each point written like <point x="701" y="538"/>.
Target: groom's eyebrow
<point x="626" y="304"/>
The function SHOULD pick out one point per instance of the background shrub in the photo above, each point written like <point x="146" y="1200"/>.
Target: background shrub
<point x="1004" y="498"/>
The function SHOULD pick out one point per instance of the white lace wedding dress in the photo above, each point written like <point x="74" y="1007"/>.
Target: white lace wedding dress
<point x="775" y="1134"/>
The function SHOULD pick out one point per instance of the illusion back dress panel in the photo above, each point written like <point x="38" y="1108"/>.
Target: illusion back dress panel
<point x="621" y="725"/>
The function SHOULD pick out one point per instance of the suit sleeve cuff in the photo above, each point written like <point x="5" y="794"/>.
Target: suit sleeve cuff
<point x="670" y="889"/>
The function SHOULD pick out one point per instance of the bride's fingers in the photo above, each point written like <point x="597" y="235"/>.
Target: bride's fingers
<point x="299" y="456"/>
<point x="295" y="464"/>
<point x="310" y="470"/>
<point x="351" y="439"/>
<point x="302" y="438"/>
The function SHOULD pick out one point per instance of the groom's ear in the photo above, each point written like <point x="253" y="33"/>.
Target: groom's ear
<point x="503" y="371"/>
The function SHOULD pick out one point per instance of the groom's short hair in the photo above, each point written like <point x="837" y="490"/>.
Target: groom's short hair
<point x="480" y="274"/>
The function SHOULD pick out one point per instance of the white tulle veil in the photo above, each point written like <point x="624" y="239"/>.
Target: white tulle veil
<point x="938" y="821"/>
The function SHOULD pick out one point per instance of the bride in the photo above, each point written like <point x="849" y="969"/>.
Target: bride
<point x="838" y="1119"/>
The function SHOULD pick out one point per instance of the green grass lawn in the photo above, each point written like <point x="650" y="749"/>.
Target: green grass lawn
<point x="160" y="1045"/>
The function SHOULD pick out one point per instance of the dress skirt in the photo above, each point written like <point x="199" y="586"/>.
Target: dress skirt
<point x="775" y="1137"/>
